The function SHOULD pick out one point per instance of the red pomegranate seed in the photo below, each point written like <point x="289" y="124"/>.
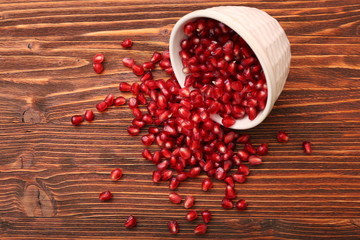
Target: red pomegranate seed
<point x="228" y="121"/>
<point x="138" y="70"/>
<point x="248" y="147"/>
<point x="124" y="87"/>
<point x="138" y="123"/>
<point x="263" y="149"/>
<point x="254" y="160"/>
<point x="148" y="139"/>
<point x="189" y="202"/>
<point x="128" y="62"/>
<point x="282" y="137"/>
<point x="200" y="229"/>
<point x="182" y="176"/>
<point x="147" y="154"/>
<point x="230" y="192"/>
<point x="109" y="100"/>
<point x="243" y="169"/>
<point x="173" y="227"/>
<point x="220" y="174"/>
<point x="130" y="222"/>
<point x="227" y="203"/>
<point x="245" y="138"/>
<point x="156" y="57"/>
<point x="102" y="106"/>
<point x="206" y="184"/>
<point x="116" y="174"/>
<point x="307" y="147"/>
<point x="230" y="181"/>
<point x="148" y="66"/>
<point x="163" y="165"/>
<point x="105" y="196"/>
<point x="156" y="159"/>
<point x="240" y="178"/>
<point x="89" y="115"/>
<point x="133" y="102"/>
<point x="194" y="172"/>
<point x="127" y="43"/>
<point x="174" y="183"/>
<point x="133" y="130"/>
<point x="156" y="177"/>
<point x="191" y="215"/>
<point x="243" y="155"/>
<point x="119" y="101"/>
<point x="206" y="216"/>
<point x="98" y="58"/>
<point x="76" y="120"/>
<point x="175" y="198"/>
<point x="241" y="205"/>
<point x="98" y="68"/>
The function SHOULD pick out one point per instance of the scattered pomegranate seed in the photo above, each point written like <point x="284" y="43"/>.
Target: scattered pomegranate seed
<point x="124" y="87"/>
<point x="127" y="43"/>
<point x="189" y="202"/>
<point x="133" y="131"/>
<point x="307" y="147"/>
<point x="98" y="67"/>
<point x="206" y="184"/>
<point x="156" y="57"/>
<point x="254" y="160"/>
<point x="105" y="196"/>
<point x="128" y="62"/>
<point x="191" y="215"/>
<point x="245" y="138"/>
<point x="241" y="205"/>
<point x="174" y="183"/>
<point x="98" y="58"/>
<point x="89" y="115"/>
<point x="227" y="203"/>
<point x="200" y="229"/>
<point x="229" y="181"/>
<point x="240" y="178"/>
<point x="148" y="139"/>
<point x="130" y="222"/>
<point x="119" y="101"/>
<point x="109" y="100"/>
<point x="282" y="137"/>
<point x="206" y="216"/>
<point x="156" y="177"/>
<point x="230" y="192"/>
<point x="138" y="70"/>
<point x="77" y="120"/>
<point x="102" y="106"/>
<point x="243" y="169"/>
<point x="175" y="198"/>
<point x="263" y="149"/>
<point x="228" y="121"/>
<point x="173" y="227"/>
<point x="116" y="174"/>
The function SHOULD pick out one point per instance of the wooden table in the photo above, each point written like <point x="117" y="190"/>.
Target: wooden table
<point x="51" y="172"/>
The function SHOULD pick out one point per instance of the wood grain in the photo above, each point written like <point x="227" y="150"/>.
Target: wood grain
<point x="51" y="173"/>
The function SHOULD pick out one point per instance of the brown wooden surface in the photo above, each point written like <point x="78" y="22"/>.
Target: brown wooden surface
<point x="51" y="172"/>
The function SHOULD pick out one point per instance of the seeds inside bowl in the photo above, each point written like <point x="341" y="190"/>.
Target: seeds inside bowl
<point x="223" y="67"/>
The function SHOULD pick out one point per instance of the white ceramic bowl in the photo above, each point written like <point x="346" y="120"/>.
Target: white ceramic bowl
<point x="262" y="33"/>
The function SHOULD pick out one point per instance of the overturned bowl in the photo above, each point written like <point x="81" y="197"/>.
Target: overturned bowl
<point x="264" y="36"/>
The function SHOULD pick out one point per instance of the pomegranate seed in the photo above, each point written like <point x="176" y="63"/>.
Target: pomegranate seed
<point x="124" y="87"/>
<point x="206" y="216"/>
<point x="76" y="120"/>
<point x="240" y="178"/>
<point x="182" y="176"/>
<point x="230" y="181"/>
<point x="230" y="192"/>
<point x="127" y="43"/>
<point x="263" y="149"/>
<point x="200" y="229"/>
<point x="156" y="159"/>
<point x="175" y="198"/>
<point x="163" y="165"/>
<point x="105" y="196"/>
<point x="148" y="139"/>
<point x="194" y="172"/>
<point x="245" y="138"/>
<point x="174" y="183"/>
<point x="307" y="147"/>
<point x="147" y="154"/>
<point x="138" y="123"/>
<point x="98" y="68"/>
<point x="241" y="205"/>
<point x="191" y="215"/>
<point x="102" y="106"/>
<point x="89" y="115"/>
<point x="133" y="102"/>
<point x="248" y="147"/>
<point x="98" y="58"/>
<point x="228" y="121"/>
<point x="116" y="174"/>
<point x="128" y="62"/>
<point x="119" y="101"/>
<point x="156" y="177"/>
<point x="282" y="137"/>
<point x="227" y="203"/>
<point x="244" y="155"/>
<point x="189" y="202"/>
<point x="148" y="66"/>
<point x="133" y="131"/>
<point x="156" y="57"/>
<point x="254" y="160"/>
<point x="130" y="222"/>
<point x="138" y="70"/>
<point x="173" y="227"/>
<point x="243" y="169"/>
<point x="220" y="174"/>
<point x="206" y="184"/>
<point x="109" y="100"/>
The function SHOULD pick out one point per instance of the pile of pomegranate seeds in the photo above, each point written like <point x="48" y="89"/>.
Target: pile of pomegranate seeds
<point x="180" y="125"/>
<point x="223" y="67"/>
